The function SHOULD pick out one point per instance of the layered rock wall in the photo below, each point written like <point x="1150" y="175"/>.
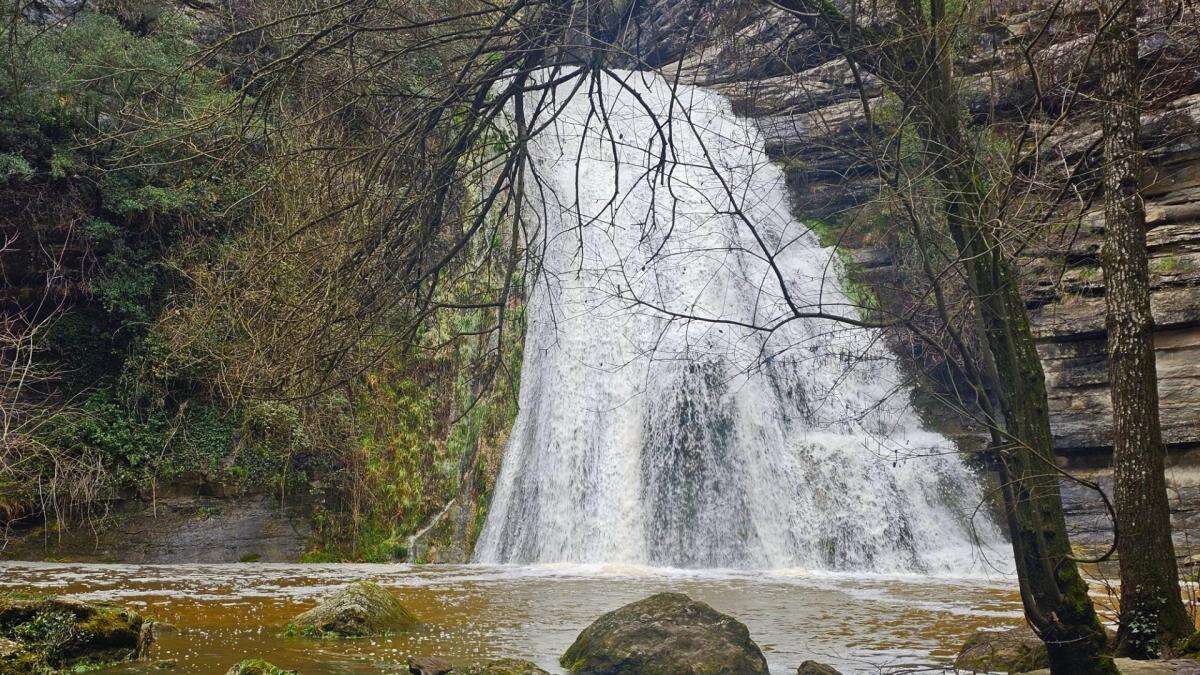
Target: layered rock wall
<point x="809" y="104"/>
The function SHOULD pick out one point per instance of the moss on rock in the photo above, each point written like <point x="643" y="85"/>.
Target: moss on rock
<point x="363" y="608"/>
<point x="665" y="634"/>
<point x="816" y="668"/>
<point x="258" y="667"/>
<point x="1018" y="650"/>
<point x="49" y="633"/>
<point x="503" y="667"/>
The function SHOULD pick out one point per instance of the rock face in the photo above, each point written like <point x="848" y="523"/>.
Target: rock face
<point x="666" y="634"/>
<point x="809" y="107"/>
<point x="41" y="634"/>
<point x="1012" y="651"/>
<point x="360" y="609"/>
<point x="180" y="529"/>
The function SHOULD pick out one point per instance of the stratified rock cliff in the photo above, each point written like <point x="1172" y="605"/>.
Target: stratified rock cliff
<point x="810" y="107"/>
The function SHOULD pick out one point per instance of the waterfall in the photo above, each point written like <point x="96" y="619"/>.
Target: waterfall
<point x="657" y="425"/>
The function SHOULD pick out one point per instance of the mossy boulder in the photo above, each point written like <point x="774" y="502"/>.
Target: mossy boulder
<point x="665" y="634"/>
<point x="48" y="633"/>
<point x="815" y="668"/>
<point x="1018" y="650"/>
<point x="258" y="667"/>
<point x="363" y="608"/>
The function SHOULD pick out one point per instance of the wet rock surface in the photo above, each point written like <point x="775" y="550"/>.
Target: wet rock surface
<point x="183" y="529"/>
<point x="502" y="667"/>
<point x="666" y="633"/>
<point x="41" y="634"/>
<point x="360" y="609"/>
<point x="429" y="665"/>
<point x="815" y="668"/>
<point x="1090" y="523"/>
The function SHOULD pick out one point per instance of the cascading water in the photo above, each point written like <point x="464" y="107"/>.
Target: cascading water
<point x="657" y="426"/>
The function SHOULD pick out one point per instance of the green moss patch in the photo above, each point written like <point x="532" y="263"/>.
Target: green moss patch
<point x="48" y="633"/>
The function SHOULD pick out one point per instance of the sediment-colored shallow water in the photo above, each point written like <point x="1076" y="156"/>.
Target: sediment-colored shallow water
<point x="225" y="613"/>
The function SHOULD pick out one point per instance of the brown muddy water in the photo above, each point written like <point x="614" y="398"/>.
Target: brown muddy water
<point x="224" y="613"/>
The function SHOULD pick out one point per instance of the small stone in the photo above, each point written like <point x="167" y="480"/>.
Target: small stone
<point x="815" y="668"/>
<point x="429" y="665"/>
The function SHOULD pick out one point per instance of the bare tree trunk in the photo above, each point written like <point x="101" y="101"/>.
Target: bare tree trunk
<point x="1153" y="617"/>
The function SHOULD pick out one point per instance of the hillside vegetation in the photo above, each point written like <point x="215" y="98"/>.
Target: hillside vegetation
<point x="176" y="238"/>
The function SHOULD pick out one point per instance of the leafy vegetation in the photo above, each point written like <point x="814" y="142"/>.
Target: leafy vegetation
<point x="170" y="295"/>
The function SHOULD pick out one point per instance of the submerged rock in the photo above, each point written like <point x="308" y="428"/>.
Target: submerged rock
<point x="815" y="668"/>
<point x="258" y="667"/>
<point x="503" y="667"/>
<point x="360" y="609"/>
<point x="434" y="665"/>
<point x="47" y="633"/>
<point x="429" y="665"/>
<point x="1018" y="650"/>
<point x="665" y="634"/>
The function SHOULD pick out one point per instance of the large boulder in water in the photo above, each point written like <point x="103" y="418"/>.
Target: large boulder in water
<point x="41" y="634"/>
<point x="360" y="609"/>
<point x="1018" y="650"/>
<point x="665" y="634"/>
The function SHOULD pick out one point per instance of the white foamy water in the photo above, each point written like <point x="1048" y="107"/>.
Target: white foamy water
<point x="645" y="437"/>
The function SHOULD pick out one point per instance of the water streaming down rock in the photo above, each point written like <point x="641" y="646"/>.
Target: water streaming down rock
<point x="644" y="437"/>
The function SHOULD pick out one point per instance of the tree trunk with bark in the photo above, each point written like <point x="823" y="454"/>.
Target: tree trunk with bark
<point x="1152" y="614"/>
<point x="1054" y="594"/>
